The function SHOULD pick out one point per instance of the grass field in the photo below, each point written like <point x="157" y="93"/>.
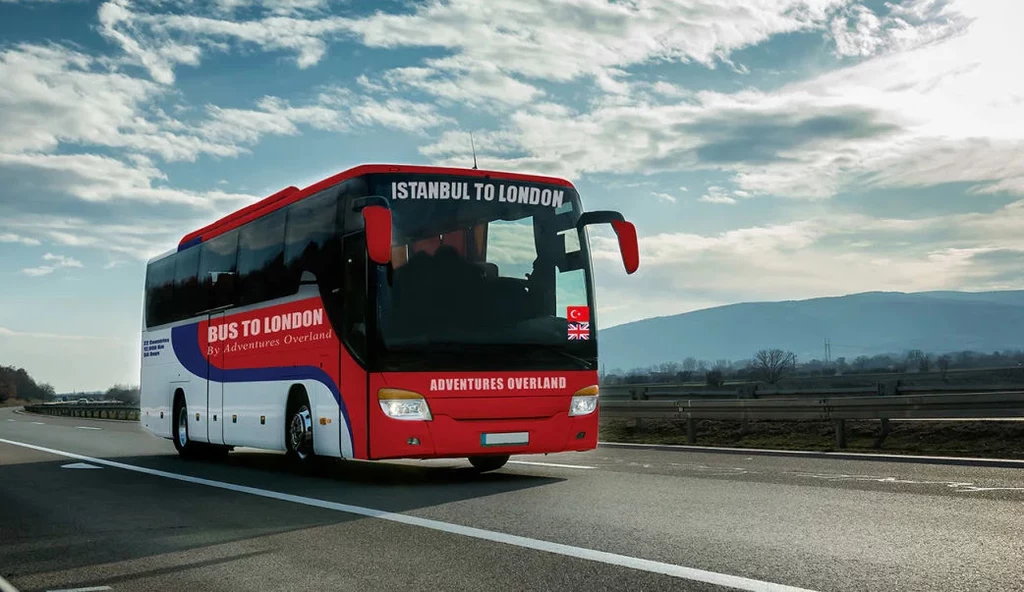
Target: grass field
<point x="994" y="439"/>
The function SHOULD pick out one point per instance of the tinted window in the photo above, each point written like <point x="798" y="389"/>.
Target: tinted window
<point x="311" y="227"/>
<point x="159" y="291"/>
<point x="217" y="267"/>
<point x="187" y="297"/>
<point x="261" y="271"/>
<point x="353" y="297"/>
<point x="347" y="192"/>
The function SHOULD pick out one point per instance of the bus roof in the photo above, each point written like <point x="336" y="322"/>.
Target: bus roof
<point x="291" y="194"/>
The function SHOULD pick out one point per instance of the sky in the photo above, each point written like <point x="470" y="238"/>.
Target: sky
<point x="765" y="149"/>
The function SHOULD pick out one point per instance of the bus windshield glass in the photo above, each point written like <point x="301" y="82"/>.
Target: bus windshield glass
<point x="486" y="263"/>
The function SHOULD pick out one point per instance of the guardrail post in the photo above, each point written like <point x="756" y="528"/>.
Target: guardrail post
<point x="882" y="434"/>
<point x="840" y="425"/>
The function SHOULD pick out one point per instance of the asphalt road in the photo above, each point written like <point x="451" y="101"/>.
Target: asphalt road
<point x="611" y="519"/>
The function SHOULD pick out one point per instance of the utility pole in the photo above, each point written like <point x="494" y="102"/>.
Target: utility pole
<point x="828" y="352"/>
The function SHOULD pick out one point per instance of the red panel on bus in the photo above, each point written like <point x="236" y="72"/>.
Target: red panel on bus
<point x="468" y="406"/>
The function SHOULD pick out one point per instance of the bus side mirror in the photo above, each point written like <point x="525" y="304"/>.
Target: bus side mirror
<point x="629" y="247"/>
<point x="377" y="221"/>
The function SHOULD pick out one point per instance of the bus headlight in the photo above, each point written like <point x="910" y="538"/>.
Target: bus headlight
<point x="584" y="401"/>
<point x="400" y="404"/>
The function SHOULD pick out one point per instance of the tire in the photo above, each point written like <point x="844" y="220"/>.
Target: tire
<point x="484" y="464"/>
<point x="182" y="443"/>
<point x="298" y="431"/>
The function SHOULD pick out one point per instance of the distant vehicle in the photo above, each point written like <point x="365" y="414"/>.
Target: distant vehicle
<point x="385" y="312"/>
<point x="83" y="401"/>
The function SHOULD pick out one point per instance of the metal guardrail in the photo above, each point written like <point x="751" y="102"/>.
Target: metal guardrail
<point x="672" y="392"/>
<point x="87" y="410"/>
<point x="1005" y="404"/>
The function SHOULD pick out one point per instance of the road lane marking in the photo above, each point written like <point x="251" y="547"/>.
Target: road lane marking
<point x="668" y="569"/>
<point x="38" y="423"/>
<point x="89" y="589"/>
<point x="6" y="586"/>
<point x="545" y="464"/>
<point x="80" y="465"/>
<point x="12" y="420"/>
<point x="87" y="428"/>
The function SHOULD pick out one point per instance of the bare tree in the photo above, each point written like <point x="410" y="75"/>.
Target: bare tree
<point x="943" y="364"/>
<point x="914" y="358"/>
<point x="690" y="364"/>
<point x="773" y="364"/>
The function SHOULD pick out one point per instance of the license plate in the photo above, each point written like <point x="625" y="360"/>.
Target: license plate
<point x="506" y="439"/>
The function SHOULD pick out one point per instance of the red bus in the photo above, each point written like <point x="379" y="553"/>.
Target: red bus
<point x="386" y="312"/>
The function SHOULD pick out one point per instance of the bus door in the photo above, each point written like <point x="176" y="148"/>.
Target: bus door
<point x="215" y="388"/>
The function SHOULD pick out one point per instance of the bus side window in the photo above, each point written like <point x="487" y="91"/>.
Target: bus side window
<point x="187" y="297"/>
<point x="261" y="272"/>
<point x="160" y="291"/>
<point x="353" y="296"/>
<point x="311" y="226"/>
<point x="219" y="256"/>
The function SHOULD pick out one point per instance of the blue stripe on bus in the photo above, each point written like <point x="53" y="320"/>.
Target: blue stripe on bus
<point x="191" y="243"/>
<point x="185" y="339"/>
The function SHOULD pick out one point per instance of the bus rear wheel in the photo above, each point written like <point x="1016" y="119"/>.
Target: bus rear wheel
<point x="484" y="464"/>
<point x="182" y="443"/>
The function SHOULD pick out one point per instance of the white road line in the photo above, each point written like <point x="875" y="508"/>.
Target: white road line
<point x="12" y="420"/>
<point x="6" y="586"/>
<point x="87" y="428"/>
<point x="38" y="423"/>
<point x="89" y="589"/>
<point x="544" y="464"/>
<point x="668" y="569"/>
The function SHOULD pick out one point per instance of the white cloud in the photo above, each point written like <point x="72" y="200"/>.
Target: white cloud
<point x="56" y="262"/>
<point x="399" y="114"/>
<point x="942" y="111"/>
<point x="10" y="237"/>
<point x="494" y="47"/>
<point x="462" y="81"/>
<point x="62" y="260"/>
<point x="138" y="238"/>
<point x="858" y="31"/>
<point x="553" y="40"/>
<point x="6" y="332"/>
<point x="664" y="196"/>
<point x="717" y="195"/>
<point x="94" y="178"/>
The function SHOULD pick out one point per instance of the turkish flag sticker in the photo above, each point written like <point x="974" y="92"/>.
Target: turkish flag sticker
<point x="579" y="314"/>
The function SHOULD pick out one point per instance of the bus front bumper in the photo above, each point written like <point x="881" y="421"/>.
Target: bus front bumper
<point x="445" y="437"/>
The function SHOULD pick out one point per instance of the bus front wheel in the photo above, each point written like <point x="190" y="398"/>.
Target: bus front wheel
<point x="488" y="463"/>
<point x="299" y="430"/>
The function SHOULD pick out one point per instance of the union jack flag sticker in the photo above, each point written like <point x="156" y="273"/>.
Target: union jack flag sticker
<point x="578" y="331"/>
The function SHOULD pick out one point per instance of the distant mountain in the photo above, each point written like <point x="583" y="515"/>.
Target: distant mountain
<point x="857" y="324"/>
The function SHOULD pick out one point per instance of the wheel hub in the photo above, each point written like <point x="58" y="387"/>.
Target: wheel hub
<point x="300" y="432"/>
<point x="183" y="427"/>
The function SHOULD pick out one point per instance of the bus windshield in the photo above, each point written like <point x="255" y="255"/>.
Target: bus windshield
<point x="484" y="263"/>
